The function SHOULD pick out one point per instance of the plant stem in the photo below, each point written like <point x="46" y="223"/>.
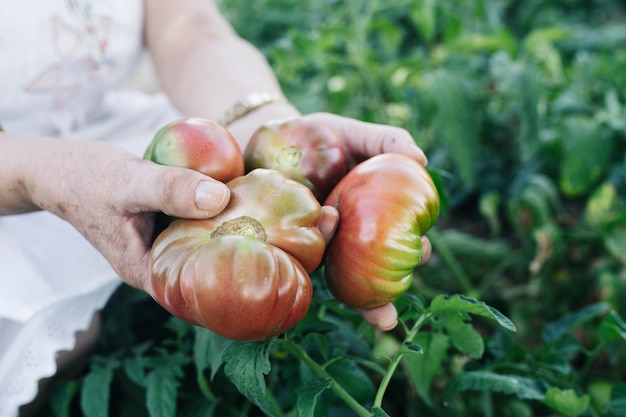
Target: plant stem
<point x="337" y="388"/>
<point x="378" y="400"/>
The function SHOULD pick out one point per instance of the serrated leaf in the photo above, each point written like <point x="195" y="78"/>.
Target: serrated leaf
<point x="558" y="328"/>
<point x="423" y="368"/>
<point x="96" y="391"/>
<point x="523" y="388"/>
<point x="566" y="402"/>
<point x="208" y="349"/>
<point x="462" y="335"/>
<point x="246" y="367"/>
<point x="162" y="392"/>
<point x="307" y="400"/>
<point x="463" y="303"/>
<point x="134" y="368"/>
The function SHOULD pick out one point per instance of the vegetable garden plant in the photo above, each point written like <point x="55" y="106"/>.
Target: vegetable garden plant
<point x="521" y="109"/>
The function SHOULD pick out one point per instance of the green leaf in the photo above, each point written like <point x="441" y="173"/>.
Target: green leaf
<point x="94" y="397"/>
<point x="379" y="412"/>
<point x="423" y="15"/>
<point x="411" y="347"/>
<point x="557" y="362"/>
<point x="615" y="408"/>
<point x="162" y="391"/>
<point x="246" y="366"/>
<point x="463" y="303"/>
<point x="349" y="375"/>
<point x="560" y="327"/>
<point x="134" y="368"/>
<point x="61" y="396"/>
<point x="586" y="153"/>
<point x="456" y="120"/>
<point x="523" y="388"/>
<point x="208" y="350"/>
<point x="615" y="242"/>
<point x="462" y="335"/>
<point x="603" y="207"/>
<point x="613" y="327"/>
<point x="307" y="399"/>
<point x="566" y="402"/>
<point x="423" y="368"/>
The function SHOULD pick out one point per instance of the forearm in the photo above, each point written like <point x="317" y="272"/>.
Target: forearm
<point x="19" y="162"/>
<point x="205" y="67"/>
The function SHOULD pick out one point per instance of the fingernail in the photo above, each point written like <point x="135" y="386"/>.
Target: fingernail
<point x="211" y="196"/>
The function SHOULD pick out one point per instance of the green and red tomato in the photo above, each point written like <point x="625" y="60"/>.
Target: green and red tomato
<point x="304" y="150"/>
<point x="385" y="204"/>
<point x="244" y="273"/>
<point x="198" y="144"/>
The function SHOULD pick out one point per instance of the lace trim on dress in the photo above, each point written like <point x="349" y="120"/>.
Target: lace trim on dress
<point x="32" y="354"/>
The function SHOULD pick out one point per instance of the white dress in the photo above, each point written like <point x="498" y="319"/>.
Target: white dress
<point x="60" y="61"/>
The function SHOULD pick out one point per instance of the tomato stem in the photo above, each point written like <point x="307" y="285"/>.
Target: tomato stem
<point x="336" y="387"/>
<point x="395" y="361"/>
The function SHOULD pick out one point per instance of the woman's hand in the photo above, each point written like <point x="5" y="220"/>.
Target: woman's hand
<point x="108" y="194"/>
<point x="361" y="140"/>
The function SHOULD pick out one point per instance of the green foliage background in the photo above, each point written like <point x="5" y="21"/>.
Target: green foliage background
<point x="521" y="109"/>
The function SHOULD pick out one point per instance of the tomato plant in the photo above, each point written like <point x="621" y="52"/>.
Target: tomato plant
<point x="198" y="144"/>
<point x="386" y="204"/>
<point x="304" y="150"/>
<point x="244" y="273"/>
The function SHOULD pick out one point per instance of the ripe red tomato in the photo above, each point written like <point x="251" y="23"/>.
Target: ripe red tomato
<point x="244" y="273"/>
<point x="198" y="144"/>
<point x="385" y="204"/>
<point x="304" y="150"/>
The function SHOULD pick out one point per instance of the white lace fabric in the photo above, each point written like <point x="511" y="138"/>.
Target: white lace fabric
<point x="59" y="83"/>
<point x="31" y="355"/>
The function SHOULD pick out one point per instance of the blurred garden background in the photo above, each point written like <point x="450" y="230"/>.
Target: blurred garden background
<point x="521" y="109"/>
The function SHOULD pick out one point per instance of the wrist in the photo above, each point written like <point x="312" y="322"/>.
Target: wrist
<point x="243" y="127"/>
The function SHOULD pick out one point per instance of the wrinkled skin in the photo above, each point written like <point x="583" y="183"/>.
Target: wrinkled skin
<point x="198" y="144"/>
<point x="386" y="205"/>
<point x="304" y="150"/>
<point x="244" y="273"/>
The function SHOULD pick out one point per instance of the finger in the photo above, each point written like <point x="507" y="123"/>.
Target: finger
<point x="328" y="223"/>
<point x="383" y="318"/>
<point x="364" y="140"/>
<point x="427" y="249"/>
<point x="177" y="192"/>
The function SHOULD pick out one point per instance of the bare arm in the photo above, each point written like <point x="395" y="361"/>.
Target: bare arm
<point x="108" y="194"/>
<point x="205" y="67"/>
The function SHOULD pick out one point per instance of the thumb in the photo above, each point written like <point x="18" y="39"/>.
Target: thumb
<point x="177" y="192"/>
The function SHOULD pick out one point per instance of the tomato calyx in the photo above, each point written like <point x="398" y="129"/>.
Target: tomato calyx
<point x="289" y="156"/>
<point x="242" y="226"/>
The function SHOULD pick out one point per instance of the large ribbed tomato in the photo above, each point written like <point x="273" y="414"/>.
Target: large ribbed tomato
<point x="386" y="204"/>
<point x="198" y="144"/>
<point x="244" y="273"/>
<point x="304" y="150"/>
